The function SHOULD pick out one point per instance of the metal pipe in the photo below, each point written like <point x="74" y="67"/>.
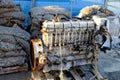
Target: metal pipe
<point x="71" y="8"/>
<point x="105" y="4"/>
<point x="33" y="3"/>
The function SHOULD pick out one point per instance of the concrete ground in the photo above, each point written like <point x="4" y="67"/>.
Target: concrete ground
<point x="108" y="65"/>
<point x="16" y="76"/>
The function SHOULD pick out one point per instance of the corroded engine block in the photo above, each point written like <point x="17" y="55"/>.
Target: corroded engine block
<point x="67" y="33"/>
<point x="64" y="45"/>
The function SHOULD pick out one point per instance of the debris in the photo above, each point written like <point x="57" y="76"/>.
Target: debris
<point x="89" y="11"/>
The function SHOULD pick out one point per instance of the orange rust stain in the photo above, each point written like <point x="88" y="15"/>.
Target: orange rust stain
<point x="42" y="31"/>
<point x="35" y="40"/>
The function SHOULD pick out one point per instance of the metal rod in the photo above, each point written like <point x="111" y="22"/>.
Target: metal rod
<point x="105" y="3"/>
<point x="33" y="3"/>
<point x="71" y="8"/>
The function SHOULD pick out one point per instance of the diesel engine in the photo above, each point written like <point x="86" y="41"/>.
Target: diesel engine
<point x="68" y="44"/>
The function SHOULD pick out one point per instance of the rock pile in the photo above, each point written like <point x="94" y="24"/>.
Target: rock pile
<point x="39" y="14"/>
<point x="11" y="13"/>
<point x="14" y="49"/>
<point x="89" y="11"/>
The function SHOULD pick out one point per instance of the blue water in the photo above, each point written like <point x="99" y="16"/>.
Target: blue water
<point x="76" y="4"/>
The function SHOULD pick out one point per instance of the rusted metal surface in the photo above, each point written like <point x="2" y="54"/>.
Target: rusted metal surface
<point x="38" y="58"/>
<point x="67" y="45"/>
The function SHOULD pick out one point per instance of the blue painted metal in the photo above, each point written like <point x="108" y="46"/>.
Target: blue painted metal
<point x="47" y="0"/>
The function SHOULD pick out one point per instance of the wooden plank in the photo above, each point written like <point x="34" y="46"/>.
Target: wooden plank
<point x="38" y="75"/>
<point x="88" y="71"/>
<point x="13" y="69"/>
<point x="49" y="76"/>
<point x="75" y="74"/>
<point x="63" y="76"/>
<point x="98" y="75"/>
